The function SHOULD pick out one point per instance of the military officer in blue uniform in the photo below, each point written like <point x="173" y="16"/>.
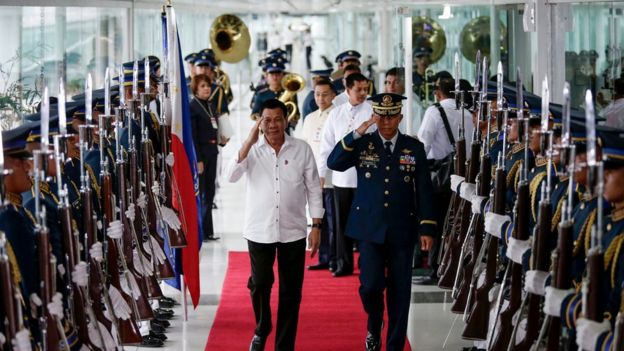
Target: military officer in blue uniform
<point x="391" y="211"/>
<point x="344" y="59"/>
<point x="274" y="72"/>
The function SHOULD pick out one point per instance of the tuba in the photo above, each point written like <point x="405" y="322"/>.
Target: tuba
<point x="292" y="83"/>
<point x="428" y="33"/>
<point x="476" y="36"/>
<point x="230" y="39"/>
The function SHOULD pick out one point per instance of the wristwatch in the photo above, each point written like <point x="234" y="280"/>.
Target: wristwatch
<point x="316" y="225"/>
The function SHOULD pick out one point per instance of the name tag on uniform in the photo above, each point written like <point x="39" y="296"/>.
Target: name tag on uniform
<point x="407" y="160"/>
<point x="213" y="120"/>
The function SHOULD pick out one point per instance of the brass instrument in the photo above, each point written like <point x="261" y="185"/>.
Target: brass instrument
<point x="230" y="39"/>
<point x="476" y="36"/>
<point x="428" y="33"/>
<point x="292" y="83"/>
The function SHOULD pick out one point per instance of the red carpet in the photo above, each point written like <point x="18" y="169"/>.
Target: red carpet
<point x="331" y="315"/>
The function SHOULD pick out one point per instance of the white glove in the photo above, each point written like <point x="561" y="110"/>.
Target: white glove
<point x="467" y="191"/>
<point x="494" y="223"/>
<point x="55" y="307"/>
<point x="130" y="213"/>
<point x="142" y="264"/>
<point x="130" y="285"/>
<point x="96" y="252"/>
<point x="517" y="248"/>
<point x="477" y="201"/>
<point x="157" y="252"/>
<point x="60" y="268"/>
<point x="2" y="339"/>
<point x="522" y="330"/>
<point x="22" y="341"/>
<point x="588" y="331"/>
<point x="535" y="282"/>
<point x="553" y="299"/>
<point x="94" y="336"/>
<point x="120" y="306"/>
<point x="456" y="181"/>
<point x="142" y="200"/>
<point x="115" y="230"/>
<point x="80" y="275"/>
<point x="155" y="188"/>
<point x="493" y="293"/>
<point x="170" y="159"/>
<point x="171" y="218"/>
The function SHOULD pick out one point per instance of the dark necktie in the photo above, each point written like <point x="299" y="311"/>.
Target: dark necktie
<point x="388" y="145"/>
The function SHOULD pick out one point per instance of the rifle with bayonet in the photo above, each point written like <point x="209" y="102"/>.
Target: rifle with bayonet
<point x="452" y="214"/>
<point x="474" y="238"/>
<point x="461" y="223"/>
<point x="541" y="240"/>
<point x="478" y="320"/>
<point x="502" y="334"/>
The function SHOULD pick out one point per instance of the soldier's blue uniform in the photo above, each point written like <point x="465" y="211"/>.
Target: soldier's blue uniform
<point x="391" y="208"/>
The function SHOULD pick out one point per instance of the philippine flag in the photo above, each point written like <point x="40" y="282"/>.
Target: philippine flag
<point x="185" y="173"/>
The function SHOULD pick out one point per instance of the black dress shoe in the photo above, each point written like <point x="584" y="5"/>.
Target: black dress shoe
<point x="257" y="343"/>
<point x="162" y="322"/>
<point x="166" y="302"/>
<point x="161" y="313"/>
<point x="342" y="273"/>
<point x="150" y="341"/>
<point x="211" y="238"/>
<point x="318" y="267"/>
<point x="159" y="336"/>
<point x="157" y="328"/>
<point x="372" y="343"/>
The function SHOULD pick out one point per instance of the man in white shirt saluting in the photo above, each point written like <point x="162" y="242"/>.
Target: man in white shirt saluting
<point x="342" y="120"/>
<point x="281" y="178"/>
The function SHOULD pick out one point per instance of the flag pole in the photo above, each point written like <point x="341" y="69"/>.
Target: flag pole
<point x="184" y="297"/>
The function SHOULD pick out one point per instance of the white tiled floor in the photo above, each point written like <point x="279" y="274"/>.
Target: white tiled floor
<point x="429" y="322"/>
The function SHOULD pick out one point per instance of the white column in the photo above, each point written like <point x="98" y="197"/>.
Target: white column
<point x="407" y="54"/>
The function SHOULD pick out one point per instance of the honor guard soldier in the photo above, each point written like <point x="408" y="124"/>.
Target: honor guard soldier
<point x="344" y="59"/>
<point x="391" y="211"/>
<point x="274" y="72"/>
<point x="309" y="105"/>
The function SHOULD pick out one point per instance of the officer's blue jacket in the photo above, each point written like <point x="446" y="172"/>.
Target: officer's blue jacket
<point x="393" y="199"/>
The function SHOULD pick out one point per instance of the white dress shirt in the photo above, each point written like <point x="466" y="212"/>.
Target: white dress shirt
<point x="342" y="120"/>
<point x="614" y="113"/>
<point x="340" y="99"/>
<point x="278" y="188"/>
<point x="311" y="132"/>
<point x="433" y="134"/>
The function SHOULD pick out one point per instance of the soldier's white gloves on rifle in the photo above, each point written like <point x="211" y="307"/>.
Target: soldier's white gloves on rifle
<point x="22" y="341"/>
<point x="96" y="252"/>
<point x="156" y="188"/>
<point x="516" y="249"/>
<point x="157" y="252"/>
<point x="477" y="203"/>
<point x="467" y="191"/>
<point x="553" y="299"/>
<point x="115" y="230"/>
<point x="130" y="213"/>
<point x="535" y="282"/>
<point x="170" y="159"/>
<point x="588" y="331"/>
<point x="80" y="275"/>
<point x="493" y="223"/>
<point x="455" y="182"/>
<point x="142" y="200"/>
<point x="55" y="307"/>
<point x="106" y="337"/>
<point x="2" y="339"/>
<point x="121" y="309"/>
<point x="171" y="218"/>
